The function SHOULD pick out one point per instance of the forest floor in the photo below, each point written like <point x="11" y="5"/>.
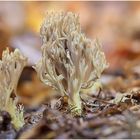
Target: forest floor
<point x="113" y="112"/>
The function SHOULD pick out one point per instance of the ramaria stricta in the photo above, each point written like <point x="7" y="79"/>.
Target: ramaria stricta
<point x="70" y="61"/>
<point x="11" y="67"/>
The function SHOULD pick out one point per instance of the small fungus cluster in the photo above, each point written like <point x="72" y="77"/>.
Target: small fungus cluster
<point x="11" y="67"/>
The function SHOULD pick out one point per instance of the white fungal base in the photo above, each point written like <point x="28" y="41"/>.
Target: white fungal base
<point x="75" y="105"/>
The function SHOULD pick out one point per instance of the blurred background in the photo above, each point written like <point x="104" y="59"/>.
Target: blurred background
<point x="115" y="24"/>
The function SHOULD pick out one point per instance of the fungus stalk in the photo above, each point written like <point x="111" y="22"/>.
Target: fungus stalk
<point x="70" y="63"/>
<point x="11" y="67"/>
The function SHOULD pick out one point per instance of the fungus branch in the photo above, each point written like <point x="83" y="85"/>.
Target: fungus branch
<point x="70" y="63"/>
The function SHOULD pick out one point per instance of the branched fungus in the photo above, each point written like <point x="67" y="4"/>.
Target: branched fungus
<point x="11" y="67"/>
<point x="70" y="63"/>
